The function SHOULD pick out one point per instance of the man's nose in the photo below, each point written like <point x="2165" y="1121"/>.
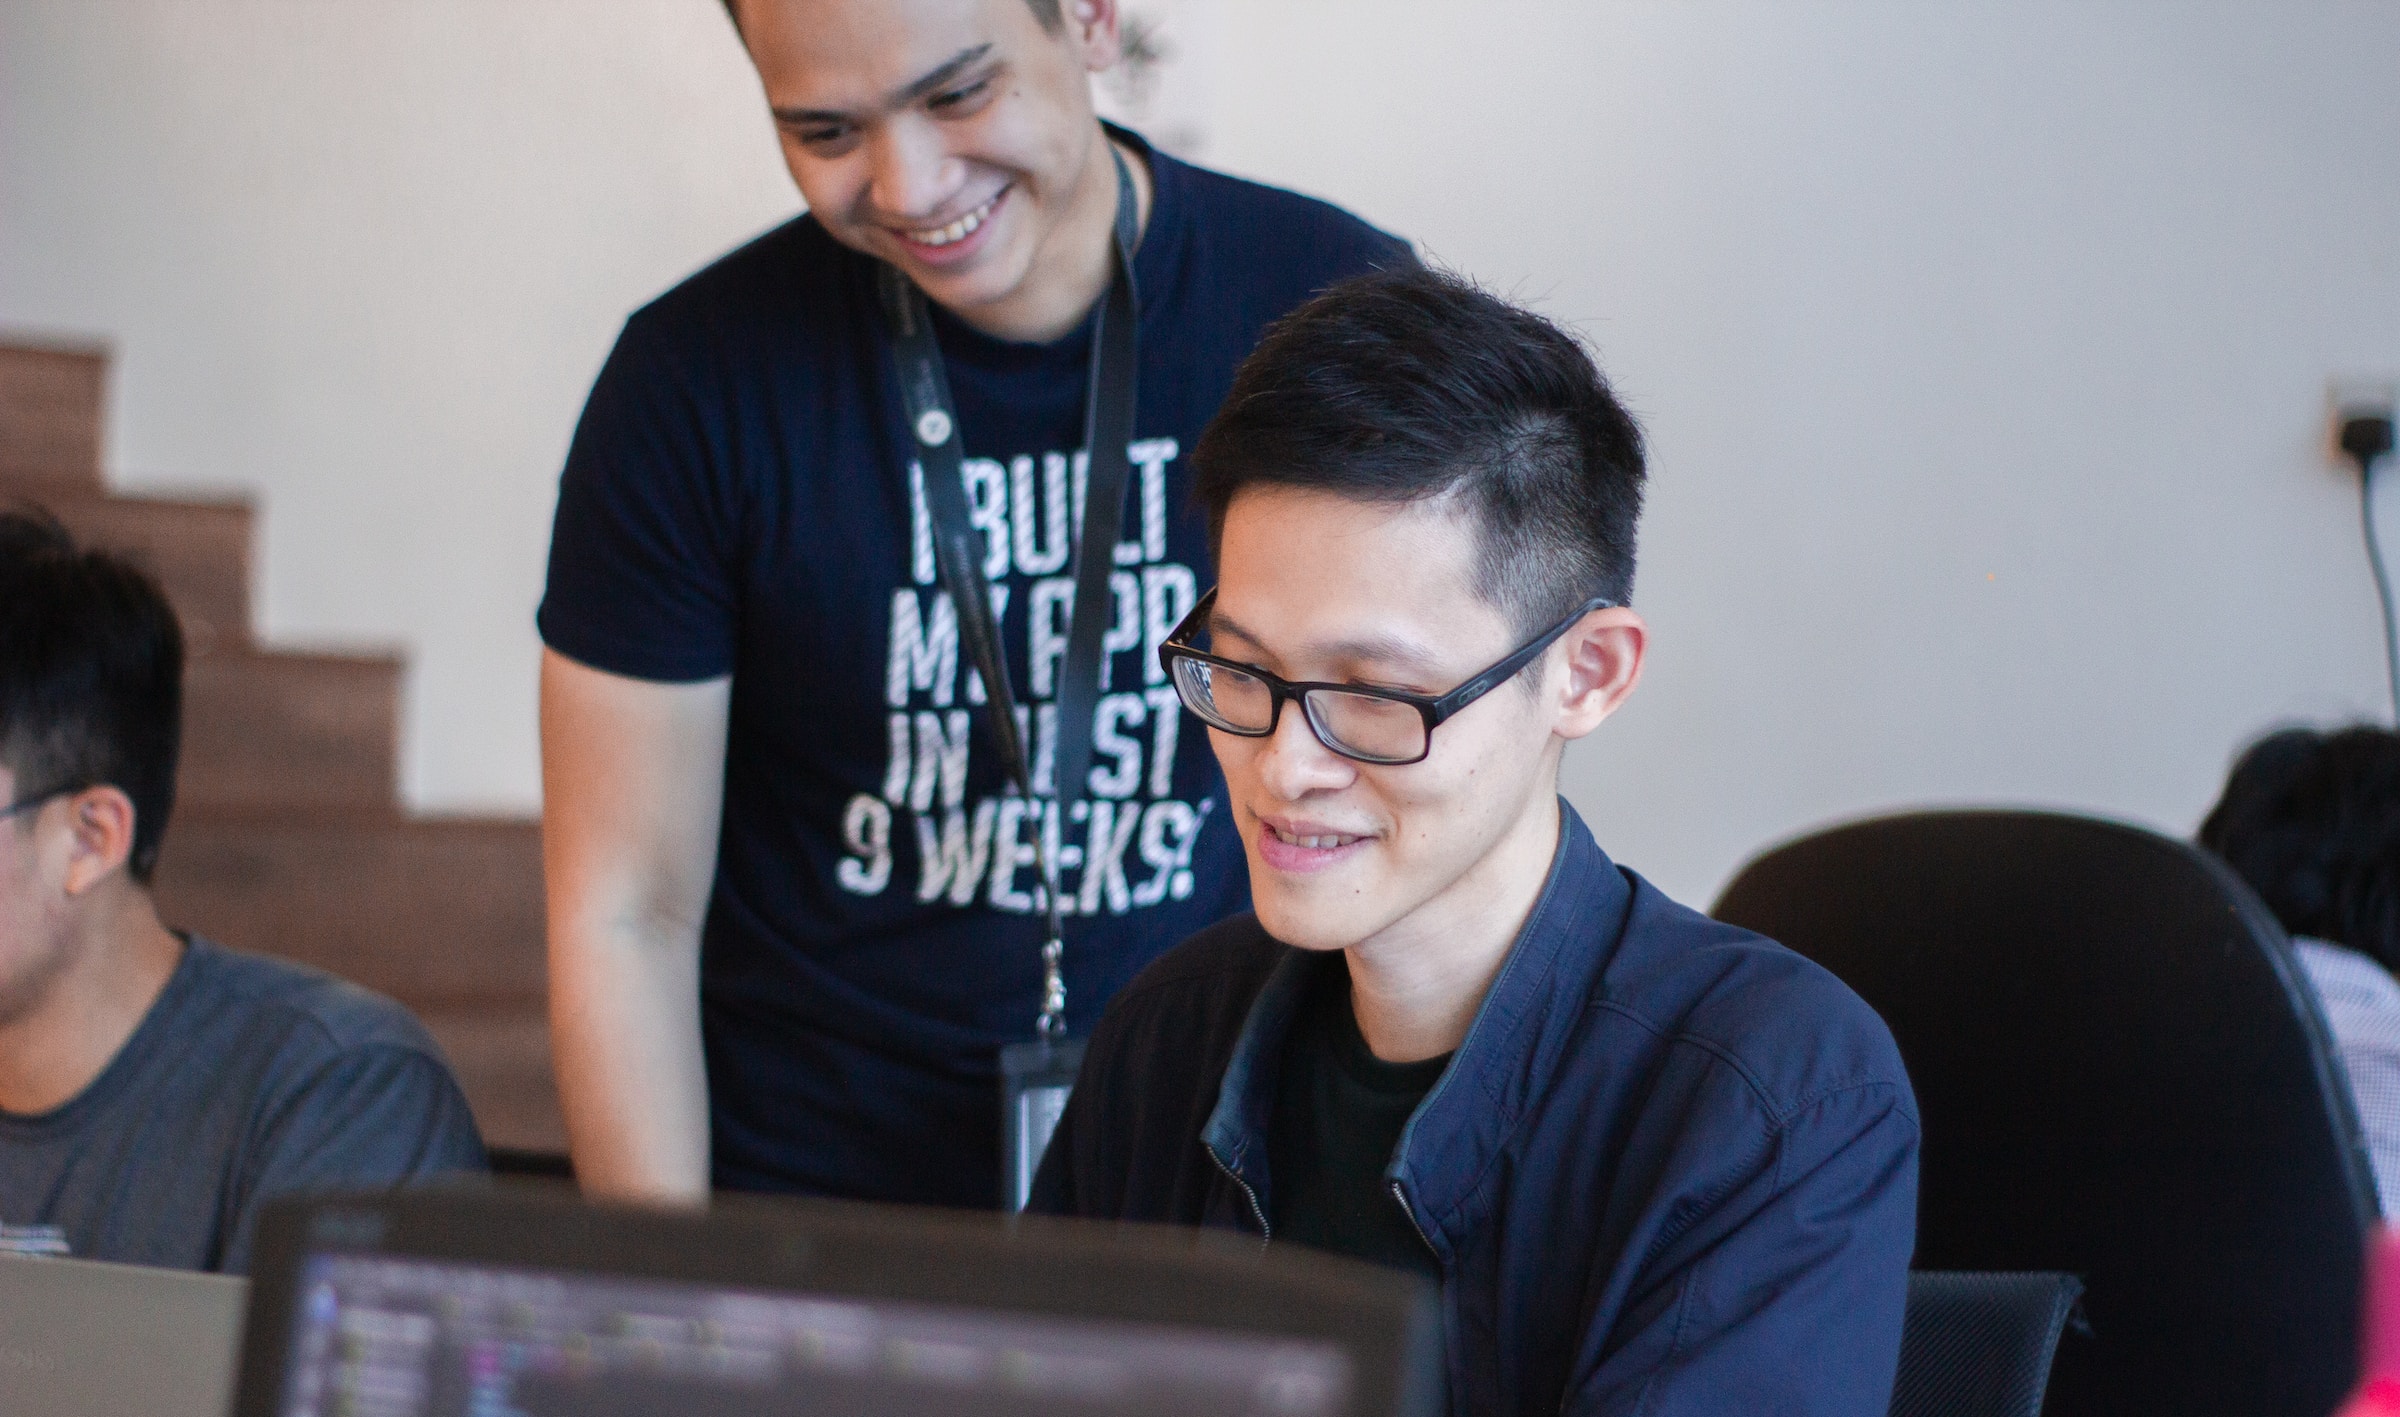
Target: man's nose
<point x="913" y="174"/>
<point x="1293" y="763"/>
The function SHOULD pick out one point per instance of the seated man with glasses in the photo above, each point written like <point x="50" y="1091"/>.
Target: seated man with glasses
<point x="155" y="1088"/>
<point x="1657" y="1164"/>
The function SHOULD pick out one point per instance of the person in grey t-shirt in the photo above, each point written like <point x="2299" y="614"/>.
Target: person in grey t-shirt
<point x="2312" y="821"/>
<point x="154" y="1087"/>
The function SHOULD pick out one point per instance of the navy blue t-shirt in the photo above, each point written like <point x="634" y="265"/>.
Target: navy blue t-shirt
<point x="741" y="499"/>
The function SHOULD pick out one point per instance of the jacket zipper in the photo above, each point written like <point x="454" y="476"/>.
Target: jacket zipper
<point x="1257" y="1211"/>
<point x="1401" y="1198"/>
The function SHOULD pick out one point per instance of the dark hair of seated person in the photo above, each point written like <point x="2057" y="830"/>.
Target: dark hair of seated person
<point x="2312" y="821"/>
<point x="91" y="676"/>
<point x="1413" y="385"/>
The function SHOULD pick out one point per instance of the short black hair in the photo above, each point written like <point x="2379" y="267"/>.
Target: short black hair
<point x="91" y="676"/>
<point x="1411" y="384"/>
<point x="1047" y="12"/>
<point x="2312" y="821"/>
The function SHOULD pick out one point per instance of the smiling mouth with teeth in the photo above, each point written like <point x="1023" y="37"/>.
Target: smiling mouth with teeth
<point x="960" y="229"/>
<point x="1314" y="843"/>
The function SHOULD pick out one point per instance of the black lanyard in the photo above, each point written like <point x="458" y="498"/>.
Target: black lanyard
<point x="1107" y="433"/>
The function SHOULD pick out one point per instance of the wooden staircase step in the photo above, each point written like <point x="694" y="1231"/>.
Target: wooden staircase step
<point x="287" y="839"/>
<point x="198" y="550"/>
<point x="502" y="1058"/>
<point x="50" y="414"/>
<point x="290" y="731"/>
<point x="435" y="912"/>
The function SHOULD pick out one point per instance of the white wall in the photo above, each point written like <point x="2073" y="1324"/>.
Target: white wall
<point x="363" y="260"/>
<point x="1983" y="348"/>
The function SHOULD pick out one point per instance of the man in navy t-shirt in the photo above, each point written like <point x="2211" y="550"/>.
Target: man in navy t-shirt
<point x="794" y="912"/>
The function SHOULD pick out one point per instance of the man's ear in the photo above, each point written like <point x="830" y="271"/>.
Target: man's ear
<point x="1603" y="656"/>
<point x="100" y="822"/>
<point x="1094" y="28"/>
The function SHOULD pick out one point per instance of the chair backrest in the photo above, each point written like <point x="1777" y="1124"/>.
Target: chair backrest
<point x="2121" y="1075"/>
<point x="1979" y="1345"/>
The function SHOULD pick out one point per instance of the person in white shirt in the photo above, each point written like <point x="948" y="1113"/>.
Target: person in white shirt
<point x="2312" y="821"/>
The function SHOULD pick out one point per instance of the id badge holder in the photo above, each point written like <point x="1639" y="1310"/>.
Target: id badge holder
<point x="1035" y="1076"/>
<point x="1035" y="1079"/>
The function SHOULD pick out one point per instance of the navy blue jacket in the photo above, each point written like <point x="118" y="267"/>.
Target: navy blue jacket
<point x="1672" y="1169"/>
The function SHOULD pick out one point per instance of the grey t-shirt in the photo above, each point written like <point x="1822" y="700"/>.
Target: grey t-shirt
<point x="248" y="1078"/>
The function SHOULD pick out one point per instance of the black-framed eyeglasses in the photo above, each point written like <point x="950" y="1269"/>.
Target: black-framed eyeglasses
<point x="1386" y="727"/>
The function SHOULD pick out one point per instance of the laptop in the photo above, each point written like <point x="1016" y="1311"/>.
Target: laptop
<point x="83" y="1339"/>
<point x="492" y="1301"/>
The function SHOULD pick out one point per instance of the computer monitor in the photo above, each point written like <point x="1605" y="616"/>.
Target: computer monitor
<point x="480" y="1304"/>
<point x="80" y="1338"/>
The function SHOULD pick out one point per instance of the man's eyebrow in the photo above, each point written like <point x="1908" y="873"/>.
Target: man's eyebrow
<point x="1365" y="649"/>
<point x="905" y="95"/>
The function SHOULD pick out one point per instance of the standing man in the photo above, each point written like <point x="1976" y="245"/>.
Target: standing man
<point x="794" y="912"/>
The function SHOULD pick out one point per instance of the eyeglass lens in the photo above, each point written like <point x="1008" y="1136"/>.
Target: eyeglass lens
<point x="1359" y="725"/>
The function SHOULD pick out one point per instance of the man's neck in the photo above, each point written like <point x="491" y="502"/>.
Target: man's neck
<point x="1416" y="987"/>
<point x="108" y="977"/>
<point x="1072" y="269"/>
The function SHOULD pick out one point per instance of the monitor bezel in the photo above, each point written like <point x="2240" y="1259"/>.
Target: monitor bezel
<point x="1386" y="1321"/>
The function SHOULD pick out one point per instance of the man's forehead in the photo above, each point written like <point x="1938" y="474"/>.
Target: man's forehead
<point x="1436" y="538"/>
<point x="1308" y="572"/>
<point x="878" y="42"/>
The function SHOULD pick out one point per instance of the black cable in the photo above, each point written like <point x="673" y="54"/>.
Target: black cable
<point x="2383" y="582"/>
<point x="2367" y="439"/>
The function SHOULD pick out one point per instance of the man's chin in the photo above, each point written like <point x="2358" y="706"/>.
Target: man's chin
<point x="1318" y="926"/>
<point x="955" y="285"/>
<point x="964" y="288"/>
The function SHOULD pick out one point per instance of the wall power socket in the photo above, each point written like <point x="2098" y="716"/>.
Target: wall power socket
<point x="2360" y="426"/>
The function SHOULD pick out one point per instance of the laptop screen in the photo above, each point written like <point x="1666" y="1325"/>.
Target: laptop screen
<point x="380" y="1333"/>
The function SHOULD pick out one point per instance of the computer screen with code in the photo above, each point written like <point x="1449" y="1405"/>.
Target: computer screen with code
<point x="385" y="1336"/>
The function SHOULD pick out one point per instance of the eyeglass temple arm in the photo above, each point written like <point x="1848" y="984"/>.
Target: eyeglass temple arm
<point x="1500" y="673"/>
<point x="1188" y="626"/>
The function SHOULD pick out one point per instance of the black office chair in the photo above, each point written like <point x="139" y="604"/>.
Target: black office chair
<point x="2121" y="1075"/>
<point x="1979" y="1345"/>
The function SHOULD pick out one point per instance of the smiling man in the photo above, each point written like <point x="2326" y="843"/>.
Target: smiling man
<point x="1657" y="1164"/>
<point x="794" y="913"/>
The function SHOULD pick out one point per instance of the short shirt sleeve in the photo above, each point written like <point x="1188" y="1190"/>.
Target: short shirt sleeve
<point x="368" y="1117"/>
<point x="643" y="561"/>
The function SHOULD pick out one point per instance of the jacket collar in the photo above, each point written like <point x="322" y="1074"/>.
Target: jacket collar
<point x="1510" y="1051"/>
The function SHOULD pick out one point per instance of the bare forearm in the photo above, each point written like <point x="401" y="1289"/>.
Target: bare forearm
<point x="625" y="1026"/>
<point x="632" y="781"/>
